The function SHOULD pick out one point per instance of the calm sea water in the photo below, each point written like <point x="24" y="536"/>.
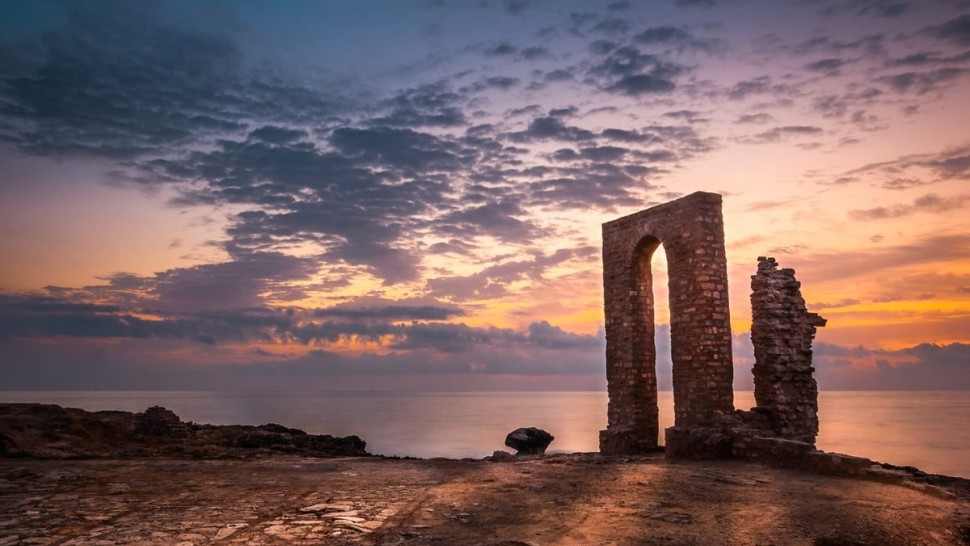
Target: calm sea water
<point x="923" y="429"/>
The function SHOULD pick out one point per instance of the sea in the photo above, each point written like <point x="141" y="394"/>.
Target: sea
<point x="928" y="430"/>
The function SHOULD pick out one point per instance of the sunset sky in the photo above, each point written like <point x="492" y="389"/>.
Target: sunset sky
<point x="408" y="194"/>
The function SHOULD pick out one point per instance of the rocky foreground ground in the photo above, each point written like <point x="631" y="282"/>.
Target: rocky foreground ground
<point x="553" y="500"/>
<point x="261" y="495"/>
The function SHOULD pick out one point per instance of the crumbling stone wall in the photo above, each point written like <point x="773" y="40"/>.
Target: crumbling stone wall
<point x="784" y="423"/>
<point x="782" y="331"/>
<point x="691" y="230"/>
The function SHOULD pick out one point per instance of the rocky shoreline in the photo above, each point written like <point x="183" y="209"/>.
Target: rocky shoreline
<point x="48" y="431"/>
<point x="71" y="477"/>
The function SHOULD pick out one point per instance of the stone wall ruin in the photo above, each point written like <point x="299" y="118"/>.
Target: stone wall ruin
<point x="706" y="424"/>
<point x="782" y="331"/>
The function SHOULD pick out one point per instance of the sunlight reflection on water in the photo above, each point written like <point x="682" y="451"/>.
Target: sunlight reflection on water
<point x="923" y="429"/>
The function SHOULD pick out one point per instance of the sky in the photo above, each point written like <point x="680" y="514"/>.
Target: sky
<point x="408" y="195"/>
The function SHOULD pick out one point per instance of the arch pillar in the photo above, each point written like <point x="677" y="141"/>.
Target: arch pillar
<point x="691" y="230"/>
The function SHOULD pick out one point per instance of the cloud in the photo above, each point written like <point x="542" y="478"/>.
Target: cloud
<point x="611" y="26"/>
<point x="602" y="47"/>
<point x="551" y="127"/>
<point x="517" y="7"/>
<point x="600" y="185"/>
<point x="500" y="219"/>
<point x="826" y="65"/>
<point x="493" y="281"/>
<point x="678" y="37"/>
<point x="923" y="82"/>
<point x="603" y="153"/>
<point x="902" y="183"/>
<point x="927" y="203"/>
<point x="501" y="50"/>
<point x="452" y="246"/>
<point x="696" y="3"/>
<point x="758" y="118"/>
<point x="879" y="260"/>
<point x="873" y="45"/>
<point x="114" y="62"/>
<point x="535" y="52"/>
<point x="663" y="35"/>
<point x="860" y="8"/>
<point x="762" y="85"/>
<point x="928" y="58"/>
<point x="778" y="134"/>
<point x="336" y="199"/>
<point x="247" y="281"/>
<point x="277" y="135"/>
<point x="953" y="164"/>
<point x="396" y="148"/>
<point x="392" y="312"/>
<point x="250" y="280"/>
<point x="558" y="75"/>
<point x="332" y="185"/>
<point x="624" y="135"/>
<point x="955" y="30"/>
<point x="628" y="71"/>
<point x="426" y="350"/>
<point x="429" y="105"/>
<point x="26" y="316"/>
<point x="640" y="84"/>
<point x="925" y="366"/>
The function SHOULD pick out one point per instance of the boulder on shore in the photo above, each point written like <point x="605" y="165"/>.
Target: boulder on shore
<point x="529" y="441"/>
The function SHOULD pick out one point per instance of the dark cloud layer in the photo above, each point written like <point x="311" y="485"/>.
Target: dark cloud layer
<point x="923" y="367"/>
<point x="330" y="182"/>
<point x="88" y="94"/>
<point x="312" y="166"/>
<point x="405" y="326"/>
<point x="955" y="30"/>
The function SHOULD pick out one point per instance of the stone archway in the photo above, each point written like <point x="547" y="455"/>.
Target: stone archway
<point x="691" y="230"/>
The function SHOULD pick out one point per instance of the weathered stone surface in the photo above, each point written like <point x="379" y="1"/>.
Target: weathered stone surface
<point x="692" y="233"/>
<point x="529" y="441"/>
<point x="697" y="442"/>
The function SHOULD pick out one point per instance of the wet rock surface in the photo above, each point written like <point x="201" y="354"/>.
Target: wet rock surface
<point x="553" y="500"/>
<point x="51" y="431"/>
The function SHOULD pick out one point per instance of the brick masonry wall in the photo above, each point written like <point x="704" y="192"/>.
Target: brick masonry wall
<point x="691" y="230"/>
<point x="782" y="331"/>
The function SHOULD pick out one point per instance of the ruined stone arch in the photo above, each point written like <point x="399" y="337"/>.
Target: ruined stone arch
<point x="691" y="230"/>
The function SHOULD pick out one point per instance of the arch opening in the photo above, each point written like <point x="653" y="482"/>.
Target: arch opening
<point x="652" y="350"/>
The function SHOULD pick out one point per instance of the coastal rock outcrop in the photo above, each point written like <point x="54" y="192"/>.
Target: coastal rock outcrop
<point x="529" y="441"/>
<point x="158" y="421"/>
<point x="51" y="431"/>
